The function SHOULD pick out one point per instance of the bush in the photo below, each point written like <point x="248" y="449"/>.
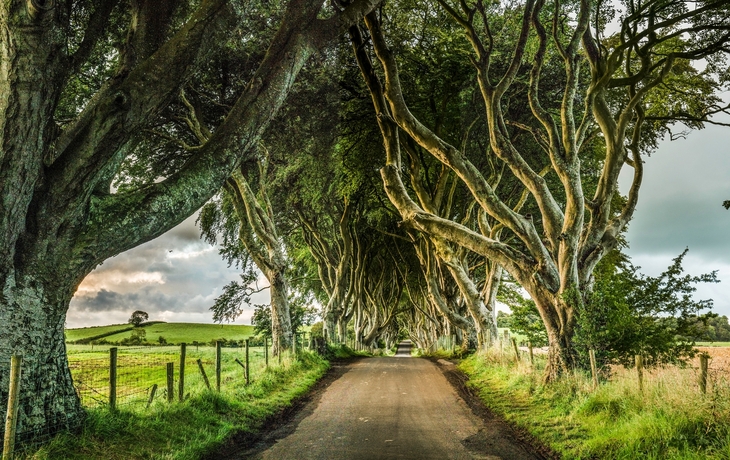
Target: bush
<point x="629" y="314"/>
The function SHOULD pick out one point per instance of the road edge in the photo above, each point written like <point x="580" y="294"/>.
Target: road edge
<point x="244" y="444"/>
<point x="458" y="380"/>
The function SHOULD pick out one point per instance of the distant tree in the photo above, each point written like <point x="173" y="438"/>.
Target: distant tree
<point x="525" y="318"/>
<point x="317" y="329"/>
<point x="161" y="340"/>
<point x="504" y="319"/>
<point x="138" y="317"/>
<point x="717" y="329"/>
<point x="138" y="337"/>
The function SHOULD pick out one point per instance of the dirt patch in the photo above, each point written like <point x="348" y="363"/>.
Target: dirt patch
<point x="245" y="444"/>
<point x="505" y="429"/>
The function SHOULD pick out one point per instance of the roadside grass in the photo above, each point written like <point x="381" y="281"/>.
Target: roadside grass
<point x="671" y="419"/>
<point x="189" y="429"/>
<point x="173" y="333"/>
<point x="713" y="344"/>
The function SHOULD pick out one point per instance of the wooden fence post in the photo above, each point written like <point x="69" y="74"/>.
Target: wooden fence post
<point x="294" y="344"/>
<point x="247" y="364"/>
<point x="517" y="350"/>
<point x="703" y="372"/>
<point x="170" y="382"/>
<point x="640" y="371"/>
<point x="594" y="369"/>
<point x="11" y="419"/>
<point x="532" y="356"/>
<point x="202" y="372"/>
<point x="266" y="350"/>
<point x="152" y="395"/>
<point x="181" y="381"/>
<point x="113" y="378"/>
<point x="217" y="366"/>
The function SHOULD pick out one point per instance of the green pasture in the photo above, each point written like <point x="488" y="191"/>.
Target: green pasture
<point x="174" y="333"/>
<point x="85" y="332"/>
<point x="140" y="368"/>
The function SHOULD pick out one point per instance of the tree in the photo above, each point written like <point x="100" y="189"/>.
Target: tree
<point x="628" y="314"/>
<point x="82" y="83"/>
<point x="257" y="233"/>
<point x="301" y="315"/>
<point x="138" y="317"/>
<point x="630" y="86"/>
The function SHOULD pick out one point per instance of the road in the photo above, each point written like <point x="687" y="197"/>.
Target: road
<point x="391" y="408"/>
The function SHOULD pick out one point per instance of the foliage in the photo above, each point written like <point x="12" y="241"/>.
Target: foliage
<point x="629" y="313"/>
<point x="138" y="317"/>
<point x="317" y="330"/>
<point x="525" y="319"/>
<point x="236" y="296"/>
<point x="138" y="337"/>
<point x="302" y="314"/>
<point x="716" y="329"/>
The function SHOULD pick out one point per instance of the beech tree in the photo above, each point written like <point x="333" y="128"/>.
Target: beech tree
<point x="615" y="91"/>
<point x="63" y="140"/>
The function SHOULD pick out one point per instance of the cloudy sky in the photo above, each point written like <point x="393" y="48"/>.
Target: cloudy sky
<point x="173" y="278"/>
<point x="680" y="206"/>
<point x="177" y="276"/>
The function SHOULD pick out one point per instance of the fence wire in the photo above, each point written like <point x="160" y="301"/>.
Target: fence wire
<point x="142" y="380"/>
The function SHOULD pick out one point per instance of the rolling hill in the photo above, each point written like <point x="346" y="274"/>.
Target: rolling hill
<point x="173" y="333"/>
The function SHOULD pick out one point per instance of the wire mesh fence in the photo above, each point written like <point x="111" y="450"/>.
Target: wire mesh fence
<point x="136" y="378"/>
<point x="142" y="372"/>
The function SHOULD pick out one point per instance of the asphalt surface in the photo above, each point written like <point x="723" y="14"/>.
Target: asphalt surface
<point x="391" y="408"/>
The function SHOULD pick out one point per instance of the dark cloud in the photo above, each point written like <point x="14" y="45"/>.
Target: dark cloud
<point x="685" y="183"/>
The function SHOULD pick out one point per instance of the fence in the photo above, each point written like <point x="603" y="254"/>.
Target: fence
<point x="505" y="349"/>
<point x="136" y="378"/>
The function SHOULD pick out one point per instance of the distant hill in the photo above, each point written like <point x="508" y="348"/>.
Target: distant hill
<point x="173" y="333"/>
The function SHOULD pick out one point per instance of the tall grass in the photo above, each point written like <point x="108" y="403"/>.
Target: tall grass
<point x="670" y="419"/>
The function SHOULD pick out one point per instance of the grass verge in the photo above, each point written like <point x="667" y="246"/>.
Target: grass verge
<point x="187" y="430"/>
<point x="670" y="419"/>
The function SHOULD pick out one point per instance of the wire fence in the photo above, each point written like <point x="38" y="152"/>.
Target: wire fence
<point x="140" y="377"/>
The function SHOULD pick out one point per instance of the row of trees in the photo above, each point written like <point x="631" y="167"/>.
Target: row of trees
<point x="429" y="155"/>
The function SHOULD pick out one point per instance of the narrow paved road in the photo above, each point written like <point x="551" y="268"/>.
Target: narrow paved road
<point x="392" y="408"/>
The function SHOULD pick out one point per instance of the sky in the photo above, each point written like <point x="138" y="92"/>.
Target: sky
<point x="177" y="276"/>
<point x="680" y="206"/>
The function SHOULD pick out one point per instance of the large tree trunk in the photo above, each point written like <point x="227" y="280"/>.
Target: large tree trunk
<point x="33" y="318"/>
<point x="558" y="315"/>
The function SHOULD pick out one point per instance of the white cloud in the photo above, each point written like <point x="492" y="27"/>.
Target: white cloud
<point x="175" y="277"/>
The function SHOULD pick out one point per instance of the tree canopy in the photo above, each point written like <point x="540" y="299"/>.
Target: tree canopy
<point x="428" y="152"/>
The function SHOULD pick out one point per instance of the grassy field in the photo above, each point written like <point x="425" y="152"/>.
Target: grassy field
<point x="73" y="335"/>
<point x="140" y="368"/>
<point x="173" y="333"/>
<point x="670" y="419"/>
